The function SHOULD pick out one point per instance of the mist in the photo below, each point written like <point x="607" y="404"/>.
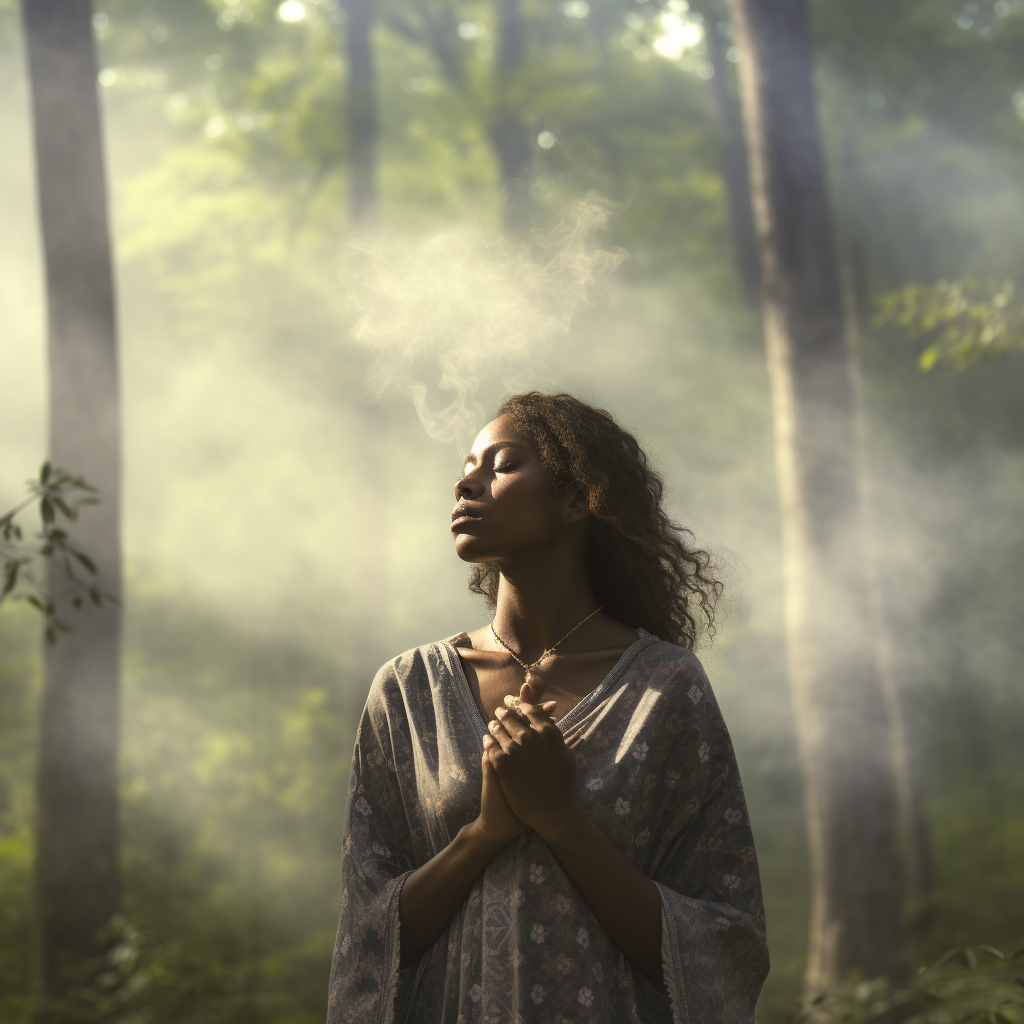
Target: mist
<point x="298" y="395"/>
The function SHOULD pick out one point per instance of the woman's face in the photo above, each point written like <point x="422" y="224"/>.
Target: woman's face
<point x="506" y="500"/>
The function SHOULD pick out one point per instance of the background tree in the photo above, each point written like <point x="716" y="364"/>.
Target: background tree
<point x="508" y="129"/>
<point x="361" y="102"/>
<point x="718" y="31"/>
<point x="77" y="884"/>
<point x="834" y="681"/>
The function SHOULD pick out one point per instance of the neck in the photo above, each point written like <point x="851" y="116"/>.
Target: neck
<point x="539" y="602"/>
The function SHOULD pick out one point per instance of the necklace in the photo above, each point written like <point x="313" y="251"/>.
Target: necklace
<point x="534" y="664"/>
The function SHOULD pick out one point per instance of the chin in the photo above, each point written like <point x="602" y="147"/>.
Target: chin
<point x="469" y="549"/>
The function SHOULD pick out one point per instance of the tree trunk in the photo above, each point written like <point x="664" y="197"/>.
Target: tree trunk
<point x="734" y="164"/>
<point x="362" y="113"/>
<point x="964" y="688"/>
<point x="509" y="133"/>
<point x="836" y="692"/>
<point x="913" y="822"/>
<point x="76" y="868"/>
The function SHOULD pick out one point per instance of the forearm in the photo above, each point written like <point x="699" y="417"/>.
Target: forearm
<point x="625" y="902"/>
<point x="433" y="892"/>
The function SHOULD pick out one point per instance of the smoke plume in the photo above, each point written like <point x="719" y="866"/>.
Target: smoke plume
<point x="461" y="307"/>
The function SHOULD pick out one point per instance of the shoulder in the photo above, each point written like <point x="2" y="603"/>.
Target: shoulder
<point x="670" y="664"/>
<point x="401" y="691"/>
<point x="415" y="668"/>
<point x="676" y="675"/>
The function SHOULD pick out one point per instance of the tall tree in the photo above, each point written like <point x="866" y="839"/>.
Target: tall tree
<point x="434" y="24"/>
<point x="509" y="133"/>
<point x="733" y="153"/>
<point x="836" y="693"/>
<point x="362" y="112"/>
<point x="913" y="825"/>
<point x="76" y="869"/>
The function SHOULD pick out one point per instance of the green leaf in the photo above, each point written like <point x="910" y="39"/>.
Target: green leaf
<point x="63" y="506"/>
<point x="95" y="596"/>
<point x="51" y="636"/>
<point x="44" y="472"/>
<point x="47" y="510"/>
<point x="938" y="960"/>
<point x="77" y="602"/>
<point x="85" y="560"/>
<point x="992" y="952"/>
<point x="10" y="577"/>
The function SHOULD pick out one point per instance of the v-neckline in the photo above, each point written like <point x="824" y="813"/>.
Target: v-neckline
<point x="462" y="682"/>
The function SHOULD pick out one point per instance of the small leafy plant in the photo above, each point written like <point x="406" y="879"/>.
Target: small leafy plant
<point x="57" y="493"/>
<point x="961" y="322"/>
<point x="964" y="985"/>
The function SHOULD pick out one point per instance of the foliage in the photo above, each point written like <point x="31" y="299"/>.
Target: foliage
<point x="961" y="322"/>
<point x="965" y="985"/>
<point x="55" y="492"/>
<point x="147" y="978"/>
<point x="250" y="589"/>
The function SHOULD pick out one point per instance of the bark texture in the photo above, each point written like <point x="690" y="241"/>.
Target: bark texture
<point x="510" y="134"/>
<point x="836" y="692"/>
<point x="362" y="113"/>
<point x="734" y="163"/>
<point x="76" y="869"/>
<point x="913" y="823"/>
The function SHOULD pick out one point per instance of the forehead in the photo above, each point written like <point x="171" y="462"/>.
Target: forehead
<point x="497" y="431"/>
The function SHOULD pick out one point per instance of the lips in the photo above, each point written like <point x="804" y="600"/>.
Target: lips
<point x="463" y="514"/>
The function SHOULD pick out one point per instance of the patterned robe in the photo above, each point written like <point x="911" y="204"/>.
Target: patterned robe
<point x="655" y="769"/>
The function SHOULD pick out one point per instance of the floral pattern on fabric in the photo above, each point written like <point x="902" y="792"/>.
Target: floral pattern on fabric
<point x="655" y="770"/>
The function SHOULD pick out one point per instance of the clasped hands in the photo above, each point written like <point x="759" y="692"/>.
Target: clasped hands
<point x="529" y="774"/>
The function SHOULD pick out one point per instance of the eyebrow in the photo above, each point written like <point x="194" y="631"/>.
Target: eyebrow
<point x="492" y="448"/>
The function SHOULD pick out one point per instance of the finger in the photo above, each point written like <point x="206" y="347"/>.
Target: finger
<point x="488" y="740"/>
<point x="514" y="724"/>
<point x="500" y="734"/>
<point x="495" y="754"/>
<point x="539" y="717"/>
<point x="525" y="708"/>
<point x="529" y="711"/>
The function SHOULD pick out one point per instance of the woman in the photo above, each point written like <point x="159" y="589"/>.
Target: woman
<point x="545" y="819"/>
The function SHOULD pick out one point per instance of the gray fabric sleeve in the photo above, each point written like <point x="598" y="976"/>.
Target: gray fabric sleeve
<point x="377" y="856"/>
<point x="714" y="954"/>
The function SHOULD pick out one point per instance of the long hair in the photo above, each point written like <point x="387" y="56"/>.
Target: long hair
<point x="643" y="568"/>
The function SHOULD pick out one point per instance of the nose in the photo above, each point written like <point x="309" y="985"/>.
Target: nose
<point x="468" y="487"/>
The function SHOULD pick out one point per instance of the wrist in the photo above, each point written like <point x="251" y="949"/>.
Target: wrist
<point x="476" y="836"/>
<point x="566" y="828"/>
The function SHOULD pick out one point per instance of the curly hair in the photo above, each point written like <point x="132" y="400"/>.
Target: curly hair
<point x="642" y="567"/>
